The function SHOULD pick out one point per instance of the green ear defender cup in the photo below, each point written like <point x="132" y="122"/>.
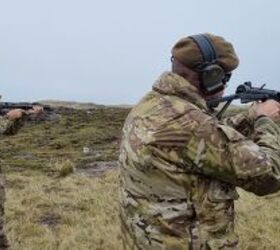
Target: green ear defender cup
<point x="212" y="76"/>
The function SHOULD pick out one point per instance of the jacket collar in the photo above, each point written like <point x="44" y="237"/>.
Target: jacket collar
<point x="172" y="84"/>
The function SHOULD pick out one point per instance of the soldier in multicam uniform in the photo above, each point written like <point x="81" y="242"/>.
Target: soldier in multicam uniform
<point x="180" y="166"/>
<point x="9" y="125"/>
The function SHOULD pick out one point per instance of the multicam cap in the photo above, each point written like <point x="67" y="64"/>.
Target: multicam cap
<point x="188" y="53"/>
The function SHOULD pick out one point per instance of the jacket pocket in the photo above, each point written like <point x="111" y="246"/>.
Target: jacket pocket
<point x="231" y="134"/>
<point x="220" y="191"/>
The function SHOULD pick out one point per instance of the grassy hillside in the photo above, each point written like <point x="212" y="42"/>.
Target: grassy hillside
<point x="62" y="180"/>
<point x="46" y="210"/>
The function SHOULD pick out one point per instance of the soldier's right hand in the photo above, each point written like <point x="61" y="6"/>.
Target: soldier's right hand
<point x="37" y="110"/>
<point x="15" y="114"/>
<point x="268" y="108"/>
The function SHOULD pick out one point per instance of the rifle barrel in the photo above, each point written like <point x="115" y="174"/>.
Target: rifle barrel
<point x="21" y="105"/>
<point x="246" y="93"/>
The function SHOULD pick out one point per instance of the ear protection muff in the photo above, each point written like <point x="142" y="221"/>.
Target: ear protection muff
<point x="212" y="76"/>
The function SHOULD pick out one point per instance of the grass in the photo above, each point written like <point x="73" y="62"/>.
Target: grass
<point x="53" y="202"/>
<point x="258" y="221"/>
<point x="76" y="212"/>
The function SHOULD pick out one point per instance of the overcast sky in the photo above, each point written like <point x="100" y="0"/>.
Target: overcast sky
<point x="111" y="52"/>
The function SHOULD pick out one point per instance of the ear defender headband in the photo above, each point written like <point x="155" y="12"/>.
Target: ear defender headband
<point x="212" y="76"/>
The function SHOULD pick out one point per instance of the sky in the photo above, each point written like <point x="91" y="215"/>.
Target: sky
<point x="111" y="52"/>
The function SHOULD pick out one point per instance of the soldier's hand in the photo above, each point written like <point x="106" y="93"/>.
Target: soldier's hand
<point x="268" y="108"/>
<point x="15" y="114"/>
<point x="35" y="110"/>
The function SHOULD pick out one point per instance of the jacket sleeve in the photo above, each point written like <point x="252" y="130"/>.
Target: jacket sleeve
<point x="8" y="127"/>
<point x="221" y="152"/>
<point x="241" y="122"/>
<point x="208" y="147"/>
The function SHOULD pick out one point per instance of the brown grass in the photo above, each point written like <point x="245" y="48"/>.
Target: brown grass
<point x="76" y="212"/>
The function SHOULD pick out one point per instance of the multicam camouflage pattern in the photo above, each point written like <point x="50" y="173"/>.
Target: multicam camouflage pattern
<point x="180" y="167"/>
<point x="6" y="127"/>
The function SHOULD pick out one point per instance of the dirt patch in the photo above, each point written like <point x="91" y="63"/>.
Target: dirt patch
<point x="97" y="168"/>
<point x="50" y="219"/>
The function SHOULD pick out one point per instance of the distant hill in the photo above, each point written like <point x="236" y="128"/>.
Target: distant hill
<point x="92" y="105"/>
<point x="80" y="105"/>
<point x="71" y="104"/>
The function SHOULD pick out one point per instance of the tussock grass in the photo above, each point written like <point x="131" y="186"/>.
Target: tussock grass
<point x="76" y="212"/>
<point x="48" y="208"/>
<point x="65" y="167"/>
<point x="258" y="221"/>
<point x="81" y="212"/>
<point x="51" y="206"/>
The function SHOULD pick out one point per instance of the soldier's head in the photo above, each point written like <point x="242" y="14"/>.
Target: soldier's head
<point x="206" y="61"/>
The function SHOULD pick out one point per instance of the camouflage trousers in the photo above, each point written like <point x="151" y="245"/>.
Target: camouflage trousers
<point x="4" y="244"/>
<point x="147" y="242"/>
<point x="129" y="243"/>
<point x="206" y="223"/>
<point x="192" y="241"/>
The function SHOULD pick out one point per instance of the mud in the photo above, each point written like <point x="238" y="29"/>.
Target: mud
<point x="49" y="219"/>
<point x="97" y="168"/>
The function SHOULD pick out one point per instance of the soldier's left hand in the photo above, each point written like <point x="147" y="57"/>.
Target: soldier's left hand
<point x="268" y="108"/>
<point x="15" y="114"/>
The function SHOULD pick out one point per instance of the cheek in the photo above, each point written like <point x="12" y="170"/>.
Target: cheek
<point x="221" y="93"/>
<point x="216" y="95"/>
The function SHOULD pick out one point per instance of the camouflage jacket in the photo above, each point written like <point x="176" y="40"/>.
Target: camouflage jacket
<point x="180" y="167"/>
<point x="8" y="127"/>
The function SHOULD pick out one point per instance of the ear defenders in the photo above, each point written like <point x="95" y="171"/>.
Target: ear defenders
<point x="212" y="76"/>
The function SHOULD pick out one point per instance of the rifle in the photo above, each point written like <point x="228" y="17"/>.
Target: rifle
<point x="246" y="93"/>
<point x="5" y="107"/>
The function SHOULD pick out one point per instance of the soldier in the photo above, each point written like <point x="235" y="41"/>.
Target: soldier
<point x="9" y="124"/>
<point x="180" y="166"/>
